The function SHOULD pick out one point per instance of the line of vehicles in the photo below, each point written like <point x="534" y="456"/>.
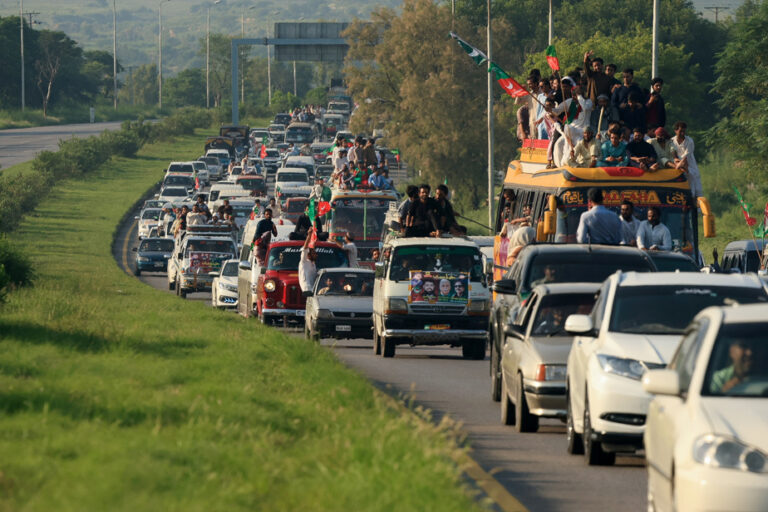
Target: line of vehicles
<point x="634" y="351"/>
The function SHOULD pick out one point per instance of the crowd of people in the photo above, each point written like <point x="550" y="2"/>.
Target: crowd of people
<point x="422" y="214"/>
<point x="591" y="118"/>
<point x="175" y="219"/>
<point x="357" y="164"/>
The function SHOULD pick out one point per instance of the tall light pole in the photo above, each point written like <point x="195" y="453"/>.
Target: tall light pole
<point x="295" y="93"/>
<point x="490" y="120"/>
<point x="242" y="71"/>
<point x="551" y="23"/>
<point x="208" y="56"/>
<point x="655" y="44"/>
<point x="160" y="53"/>
<point x="114" y="52"/>
<point x="21" y="32"/>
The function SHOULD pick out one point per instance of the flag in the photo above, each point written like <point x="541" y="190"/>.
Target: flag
<point x="475" y="54"/>
<point x="762" y="230"/>
<point x="396" y="152"/>
<point x="330" y="149"/>
<point x="197" y="183"/>
<point x="311" y="212"/>
<point x="264" y="140"/>
<point x="263" y="152"/>
<point x="508" y="83"/>
<point x="323" y="207"/>
<point x="751" y="221"/>
<point x="552" y="60"/>
<point x="312" y="237"/>
<point x="574" y="109"/>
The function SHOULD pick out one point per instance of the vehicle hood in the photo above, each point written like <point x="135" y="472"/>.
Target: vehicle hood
<point x="742" y="418"/>
<point x="228" y="280"/>
<point x="338" y="303"/>
<point x="641" y="347"/>
<point x="293" y="186"/>
<point x="552" y="350"/>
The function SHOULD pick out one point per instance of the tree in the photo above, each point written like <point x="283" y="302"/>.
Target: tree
<point x="187" y="89"/>
<point x="57" y="52"/>
<point x="98" y="70"/>
<point x="142" y="86"/>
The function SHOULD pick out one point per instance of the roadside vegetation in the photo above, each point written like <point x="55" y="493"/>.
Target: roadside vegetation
<point x="115" y="396"/>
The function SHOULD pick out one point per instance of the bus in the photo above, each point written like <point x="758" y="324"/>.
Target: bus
<point x="558" y="197"/>
<point x="360" y="212"/>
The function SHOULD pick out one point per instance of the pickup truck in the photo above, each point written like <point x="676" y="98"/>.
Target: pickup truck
<point x="196" y="255"/>
<point x="271" y="290"/>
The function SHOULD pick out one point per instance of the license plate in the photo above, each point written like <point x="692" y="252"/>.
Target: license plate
<point x="344" y="328"/>
<point x="300" y="312"/>
<point x="159" y="265"/>
<point x="437" y="327"/>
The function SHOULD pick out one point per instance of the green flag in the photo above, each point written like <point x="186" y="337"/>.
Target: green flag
<point x="475" y="54"/>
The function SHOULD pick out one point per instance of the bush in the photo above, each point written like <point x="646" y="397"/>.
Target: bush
<point x="15" y="269"/>
<point x="123" y="142"/>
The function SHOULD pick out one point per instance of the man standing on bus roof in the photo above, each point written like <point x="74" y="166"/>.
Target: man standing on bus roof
<point x="597" y="82"/>
<point x="629" y="224"/>
<point x="652" y="234"/>
<point x="599" y="225"/>
<point x="687" y="162"/>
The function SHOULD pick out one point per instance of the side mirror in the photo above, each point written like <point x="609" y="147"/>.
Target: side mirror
<point x="662" y="382"/>
<point x="136" y="217"/>
<point x="262" y="270"/>
<point x="708" y="219"/>
<point x="135" y="249"/>
<point x="580" y="324"/>
<point x="514" y="330"/>
<point x="550" y="216"/>
<point x="504" y="286"/>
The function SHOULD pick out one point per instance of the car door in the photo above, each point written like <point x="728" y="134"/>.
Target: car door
<point x="582" y="348"/>
<point x="514" y="346"/>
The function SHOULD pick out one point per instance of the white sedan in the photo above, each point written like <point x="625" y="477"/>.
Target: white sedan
<point x="224" y="286"/>
<point x="705" y="439"/>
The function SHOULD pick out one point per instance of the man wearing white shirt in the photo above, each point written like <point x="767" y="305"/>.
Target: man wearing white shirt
<point x="684" y="148"/>
<point x="629" y="223"/>
<point x="573" y="131"/>
<point x="652" y="234"/>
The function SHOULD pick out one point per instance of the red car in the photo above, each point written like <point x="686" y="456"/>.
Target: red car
<point x="278" y="295"/>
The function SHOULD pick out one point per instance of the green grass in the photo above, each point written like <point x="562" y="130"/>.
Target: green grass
<point x="117" y="396"/>
<point x="15" y="118"/>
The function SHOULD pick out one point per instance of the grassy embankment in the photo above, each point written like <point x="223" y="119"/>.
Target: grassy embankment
<point x="116" y="396"/>
<point x="15" y="118"/>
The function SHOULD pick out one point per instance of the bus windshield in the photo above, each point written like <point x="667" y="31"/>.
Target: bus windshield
<point x="363" y="218"/>
<point x="299" y="134"/>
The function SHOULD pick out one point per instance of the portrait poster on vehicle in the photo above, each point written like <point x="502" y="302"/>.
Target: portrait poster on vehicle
<point x="433" y="287"/>
<point x="203" y="262"/>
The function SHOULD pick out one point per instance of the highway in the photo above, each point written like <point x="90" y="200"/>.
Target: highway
<point x="23" y="144"/>
<point x="534" y="468"/>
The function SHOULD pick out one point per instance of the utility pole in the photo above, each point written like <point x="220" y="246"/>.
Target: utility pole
<point x="490" y="119"/>
<point x="551" y="25"/>
<point x="21" y="22"/>
<point x="242" y="53"/>
<point x="294" y="79"/>
<point x="655" y="44"/>
<point x="160" y="53"/>
<point x="114" y="52"/>
<point x="717" y="9"/>
<point x="269" y="69"/>
<point x="208" y="59"/>
<point x="30" y="14"/>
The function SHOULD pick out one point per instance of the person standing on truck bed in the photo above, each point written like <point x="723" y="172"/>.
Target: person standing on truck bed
<point x="599" y="225"/>
<point x="307" y="267"/>
<point x="421" y="219"/>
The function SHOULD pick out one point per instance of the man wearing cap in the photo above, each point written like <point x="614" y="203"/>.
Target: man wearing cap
<point x="603" y="114"/>
<point x="665" y="150"/>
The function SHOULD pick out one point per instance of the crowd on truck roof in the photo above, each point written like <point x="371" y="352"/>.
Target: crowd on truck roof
<point x="592" y="119"/>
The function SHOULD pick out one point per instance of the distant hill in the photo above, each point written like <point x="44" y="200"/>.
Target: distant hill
<point x="90" y="22"/>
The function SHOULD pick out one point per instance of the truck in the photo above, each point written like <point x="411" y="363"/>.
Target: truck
<point x="197" y="254"/>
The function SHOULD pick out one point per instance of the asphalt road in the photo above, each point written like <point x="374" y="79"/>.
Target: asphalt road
<point x="534" y="468"/>
<point x="20" y="145"/>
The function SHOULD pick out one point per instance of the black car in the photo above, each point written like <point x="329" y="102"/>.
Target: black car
<point x="552" y="263"/>
<point x="152" y="255"/>
<point x="666" y="261"/>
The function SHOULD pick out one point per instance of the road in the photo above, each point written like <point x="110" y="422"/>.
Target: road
<point x="534" y="468"/>
<point x="23" y="144"/>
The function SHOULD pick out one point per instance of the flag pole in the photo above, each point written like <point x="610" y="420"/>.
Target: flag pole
<point x="490" y="117"/>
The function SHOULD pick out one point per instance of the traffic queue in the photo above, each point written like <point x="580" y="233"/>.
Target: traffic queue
<point x="636" y="349"/>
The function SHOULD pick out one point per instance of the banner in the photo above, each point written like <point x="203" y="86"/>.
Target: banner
<point x="434" y="287"/>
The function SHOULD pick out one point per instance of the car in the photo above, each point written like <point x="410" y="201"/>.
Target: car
<point x="214" y="166"/>
<point x="300" y="133"/>
<point x="535" y="263"/>
<point x="283" y="147"/>
<point x="635" y="326"/>
<point x="152" y="255"/>
<point x="201" y="172"/>
<point x="196" y="255"/>
<point x="293" y="208"/>
<point x="254" y="183"/>
<point x="742" y="256"/>
<point x="172" y="194"/>
<point x="324" y="171"/>
<point x="276" y="127"/>
<point x="301" y="162"/>
<point x="341" y="304"/>
<point x="233" y="174"/>
<point x="705" y="442"/>
<point x="181" y="168"/>
<point x="147" y="219"/>
<point x="272" y="160"/>
<point x="535" y="353"/>
<point x="668" y="261"/>
<point x="224" y="285"/>
<point x="332" y="123"/>
<point x="320" y="151"/>
<point x="179" y="180"/>
<point x="290" y="177"/>
<point x="431" y="291"/>
<point x="223" y="155"/>
<point x="259" y="135"/>
<point x="153" y="203"/>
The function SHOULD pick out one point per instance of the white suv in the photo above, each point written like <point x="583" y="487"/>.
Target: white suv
<point x="635" y="326"/>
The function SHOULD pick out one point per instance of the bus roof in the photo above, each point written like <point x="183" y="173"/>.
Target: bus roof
<point x="361" y="194"/>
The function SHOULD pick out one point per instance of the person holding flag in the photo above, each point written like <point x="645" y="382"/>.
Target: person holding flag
<point x="577" y="110"/>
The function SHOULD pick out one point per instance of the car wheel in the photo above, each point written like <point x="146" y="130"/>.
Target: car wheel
<point x="137" y="272"/>
<point x="593" y="450"/>
<point x="388" y="346"/>
<point x="574" y="443"/>
<point x="376" y="341"/>
<point x="171" y="285"/>
<point x="182" y="291"/>
<point x="524" y="420"/>
<point x="495" y="380"/>
<point x="507" y="407"/>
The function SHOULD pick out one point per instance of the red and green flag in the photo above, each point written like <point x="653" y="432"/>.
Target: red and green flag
<point x="751" y="221"/>
<point x="263" y="152"/>
<point x="552" y="59"/>
<point x="507" y="83"/>
<point x="396" y="152"/>
<point x="475" y="54"/>
<point x="574" y="109"/>
<point x="330" y="149"/>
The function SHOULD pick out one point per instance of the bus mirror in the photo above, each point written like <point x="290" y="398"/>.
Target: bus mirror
<point x="541" y="235"/>
<point x="550" y="225"/>
<point x="707" y="218"/>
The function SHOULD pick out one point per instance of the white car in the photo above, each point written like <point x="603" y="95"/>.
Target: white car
<point x="341" y="304"/>
<point x="148" y="218"/>
<point x="290" y="177"/>
<point x="634" y="327"/>
<point x="224" y="286"/>
<point x="173" y="194"/>
<point x="705" y="438"/>
<point x="301" y="162"/>
<point x="201" y="172"/>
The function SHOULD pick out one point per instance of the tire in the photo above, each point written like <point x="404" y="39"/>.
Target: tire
<point x="473" y="349"/>
<point x="574" y="442"/>
<point x="376" y="341"/>
<point x="137" y="272"/>
<point x="524" y="420"/>
<point x="495" y="380"/>
<point x="593" y="450"/>
<point x="171" y="285"/>
<point x="507" y="407"/>
<point x="387" y="347"/>
<point x="182" y="293"/>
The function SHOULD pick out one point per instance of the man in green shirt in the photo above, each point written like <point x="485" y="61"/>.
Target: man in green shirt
<point x="740" y="352"/>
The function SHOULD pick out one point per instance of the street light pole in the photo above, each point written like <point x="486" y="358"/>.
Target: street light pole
<point x="551" y="23"/>
<point x="208" y="59"/>
<point x="242" y="71"/>
<point x="114" y="52"/>
<point x="160" y="53"/>
<point x="490" y="120"/>
<point x="21" y="23"/>
<point x="269" y="68"/>
<point x="655" y="44"/>
<point x="294" y="79"/>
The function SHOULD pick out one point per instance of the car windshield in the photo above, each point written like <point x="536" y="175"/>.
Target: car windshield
<point x="241" y="212"/>
<point x="436" y="258"/>
<point x="273" y="153"/>
<point x="346" y="283"/>
<point x="181" y="181"/>
<point x="165" y="245"/>
<point x="200" y="166"/>
<point x="671" y="264"/>
<point x="154" y="203"/>
<point x="181" y="168"/>
<point x="364" y="218"/>
<point x="292" y="176"/>
<point x="252" y="184"/>
<point x="220" y="246"/>
<point x="562" y="267"/>
<point x="287" y="258"/>
<point x="296" y="205"/>
<point x="738" y="365"/>
<point x="175" y="192"/>
<point x="669" y="309"/>
<point x="230" y="269"/>
<point x="150" y="214"/>
<point x="211" y="160"/>
<point x="554" y="309"/>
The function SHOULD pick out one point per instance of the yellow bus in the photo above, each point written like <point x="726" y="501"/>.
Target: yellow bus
<point x="558" y="197"/>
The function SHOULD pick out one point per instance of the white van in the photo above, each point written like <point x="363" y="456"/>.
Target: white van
<point x="431" y="291"/>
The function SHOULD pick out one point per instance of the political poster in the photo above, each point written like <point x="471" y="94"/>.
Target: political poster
<point x="433" y="287"/>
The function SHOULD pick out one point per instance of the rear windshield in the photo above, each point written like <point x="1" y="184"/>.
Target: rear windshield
<point x="150" y="214"/>
<point x="436" y="258"/>
<point x="671" y="264"/>
<point x="296" y="206"/>
<point x="580" y="268"/>
<point x="273" y="153"/>
<point x="252" y="184"/>
<point x="175" y="192"/>
<point x="287" y="258"/>
<point x="291" y="176"/>
<point x="669" y="309"/>
<point x="181" y="168"/>
<point x="179" y="180"/>
<point x="211" y="160"/>
<point x="554" y="309"/>
<point x="156" y="246"/>
<point x="221" y="246"/>
<point x="345" y="284"/>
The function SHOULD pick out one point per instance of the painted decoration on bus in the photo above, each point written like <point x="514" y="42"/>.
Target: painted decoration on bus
<point x="613" y="197"/>
<point x="433" y="287"/>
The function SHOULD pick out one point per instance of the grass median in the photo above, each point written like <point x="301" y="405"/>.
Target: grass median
<point x="115" y="396"/>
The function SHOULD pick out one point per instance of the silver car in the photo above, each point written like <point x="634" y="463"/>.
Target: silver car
<point x="341" y="304"/>
<point x="535" y="353"/>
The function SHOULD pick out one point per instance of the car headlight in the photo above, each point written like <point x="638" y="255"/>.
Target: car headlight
<point x="479" y="305"/>
<point x="630" y="368"/>
<point x="270" y="285"/>
<point x="723" y="452"/>
<point x="226" y="286"/>
<point x="398" y="305"/>
<point x="324" y="313"/>
<point x="550" y="372"/>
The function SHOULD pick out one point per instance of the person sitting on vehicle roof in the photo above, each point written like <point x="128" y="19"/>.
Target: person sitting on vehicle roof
<point x="196" y="217"/>
<point x="421" y="219"/>
<point x="665" y="150"/>
<point x="225" y="208"/>
<point x="641" y="154"/>
<point x="377" y="181"/>
<point x="614" y="151"/>
<point x="652" y="234"/>
<point x="603" y="114"/>
<point x="576" y="110"/>
<point x="202" y="207"/>
<point x="411" y="196"/>
<point x="446" y="218"/>
<point x="586" y="152"/>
